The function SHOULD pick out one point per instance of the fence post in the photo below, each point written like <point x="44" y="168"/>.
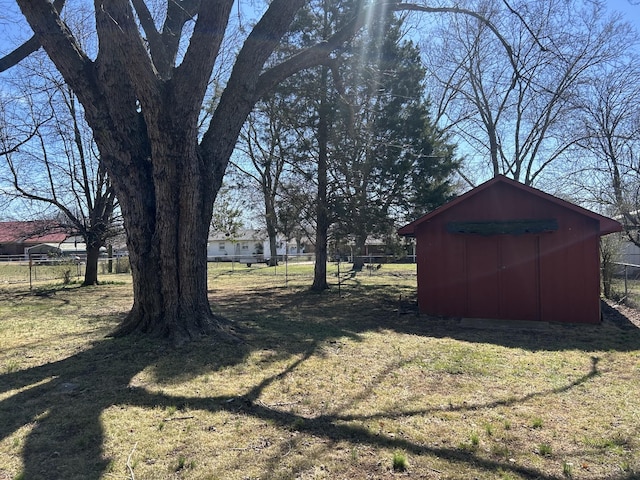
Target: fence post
<point x="286" y="266"/>
<point x="626" y="288"/>
<point x="339" y="277"/>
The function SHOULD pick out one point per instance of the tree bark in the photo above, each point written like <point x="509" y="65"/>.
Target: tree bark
<point x="91" y="266"/>
<point x="270" y="220"/>
<point x="322" y="212"/>
<point x="358" y="252"/>
<point x="167" y="239"/>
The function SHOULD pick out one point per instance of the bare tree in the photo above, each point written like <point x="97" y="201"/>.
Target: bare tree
<point x="509" y="108"/>
<point x="610" y="124"/>
<point x="267" y="141"/>
<point x="58" y="166"/>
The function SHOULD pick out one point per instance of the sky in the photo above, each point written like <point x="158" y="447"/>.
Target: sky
<point x="13" y="28"/>
<point x="629" y="8"/>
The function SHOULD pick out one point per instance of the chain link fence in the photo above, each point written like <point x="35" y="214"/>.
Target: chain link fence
<point x="299" y="270"/>
<point x="290" y="270"/>
<point x="625" y="284"/>
<point x="21" y="270"/>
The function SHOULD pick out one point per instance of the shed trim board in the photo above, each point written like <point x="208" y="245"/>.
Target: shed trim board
<point x="508" y="251"/>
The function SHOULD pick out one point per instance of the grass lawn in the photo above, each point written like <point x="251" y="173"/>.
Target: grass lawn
<point x="349" y="385"/>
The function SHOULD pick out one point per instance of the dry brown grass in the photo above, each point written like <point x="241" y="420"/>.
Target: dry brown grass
<point x="323" y="387"/>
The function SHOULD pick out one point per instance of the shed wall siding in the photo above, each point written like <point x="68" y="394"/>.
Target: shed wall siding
<point x="547" y="276"/>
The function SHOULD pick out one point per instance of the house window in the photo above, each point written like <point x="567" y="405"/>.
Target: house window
<point x="245" y="246"/>
<point x="221" y="246"/>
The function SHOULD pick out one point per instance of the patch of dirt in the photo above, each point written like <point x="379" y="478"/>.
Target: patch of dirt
<point x="620" y="315"/>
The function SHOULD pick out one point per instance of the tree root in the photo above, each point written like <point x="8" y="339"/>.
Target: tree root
<point x="180" y="329"/>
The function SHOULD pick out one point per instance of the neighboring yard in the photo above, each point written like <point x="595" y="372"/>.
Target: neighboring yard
<point x="323" y="387"/>
<point x="628" y="291"/>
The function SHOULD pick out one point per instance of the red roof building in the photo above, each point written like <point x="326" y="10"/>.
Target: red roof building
<point x="17" y="237"/>
<point x="508" y="251"/>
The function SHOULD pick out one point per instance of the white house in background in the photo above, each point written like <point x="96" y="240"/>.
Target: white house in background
<point x="629" y="253"/>
<point x="70" y="246"/>
<point x="246" y="246"/>
<point x="629" y="257"/>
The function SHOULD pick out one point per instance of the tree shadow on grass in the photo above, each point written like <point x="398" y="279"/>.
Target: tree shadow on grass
<point x="615" y="333"/>
<point x="59" y="404"/>
<point x="362" y="308"/>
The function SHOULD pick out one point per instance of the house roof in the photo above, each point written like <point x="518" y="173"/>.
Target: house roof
<point x="61" y="248"/>
<point x="33" y="232"/>
<point x="243" y="234"/>
<point x="607" y="225"/>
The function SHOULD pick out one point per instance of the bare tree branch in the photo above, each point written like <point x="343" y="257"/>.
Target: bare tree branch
<point x="27" y="48"/>
<point x="197" y="65"/>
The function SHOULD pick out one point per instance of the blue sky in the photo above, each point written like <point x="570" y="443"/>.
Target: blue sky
<point x="13" y="28"/>
<point x="626" y="6"/>
<point x="629" y="8"/>
<point x="8" y="17"/>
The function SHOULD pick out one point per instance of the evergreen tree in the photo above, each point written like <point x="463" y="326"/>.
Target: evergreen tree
<point x="377" y="157"/>
<point x="388" y="161"/>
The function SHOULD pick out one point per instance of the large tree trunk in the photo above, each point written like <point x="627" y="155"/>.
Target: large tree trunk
<point x="322" y="222"/>
<point x="167" y="223"/>
<point x="91" y="266"/>
<point x="172" y="304"/>
<point x="272" y="232"/>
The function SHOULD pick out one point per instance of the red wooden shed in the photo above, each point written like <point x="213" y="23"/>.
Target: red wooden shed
<point x="508" y="251"/>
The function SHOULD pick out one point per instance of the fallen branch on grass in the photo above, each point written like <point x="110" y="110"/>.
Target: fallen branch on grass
<point x="170" y="419"/>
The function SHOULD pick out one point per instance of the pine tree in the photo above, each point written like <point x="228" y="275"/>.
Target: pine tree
<point x="368" y="128"/>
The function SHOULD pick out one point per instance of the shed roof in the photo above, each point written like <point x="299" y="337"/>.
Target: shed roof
<point x="607" y="225"/>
